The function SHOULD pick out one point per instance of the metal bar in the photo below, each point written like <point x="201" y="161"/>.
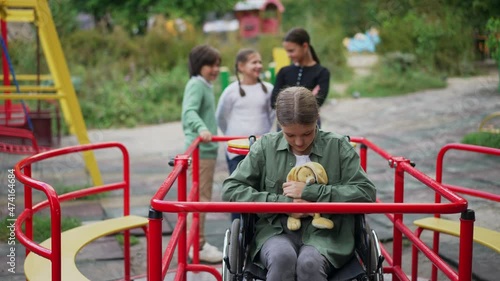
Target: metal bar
<point x="154" y="246"/>
<point x="397" y="249"/>
<point x="29" y="88"/>
<point x="466" y="240"/>
<point x="363" y="155"/>
<point x="5" y="66"/>
<point x="182" y="196"/>
<point x="31" y="77"/>
<point x="473" y="192"/>
<point x="20" y="15"/>
<point x="341" y="208"/>
<point x="196" y="215"/>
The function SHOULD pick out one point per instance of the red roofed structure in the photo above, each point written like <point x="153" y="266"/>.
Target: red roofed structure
<point x="258" y="17"/>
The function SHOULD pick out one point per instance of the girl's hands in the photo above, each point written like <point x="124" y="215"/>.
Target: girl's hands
<point x="315" y="91"/>
<point x="300" y="215"/>
<point x="293" y="189"/>
<point x="206" y="136"/>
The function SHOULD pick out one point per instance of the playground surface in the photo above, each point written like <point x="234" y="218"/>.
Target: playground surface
<point x="414" y="126"/>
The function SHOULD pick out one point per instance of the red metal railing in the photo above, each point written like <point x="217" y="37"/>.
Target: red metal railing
<point x="22" y="171"/>
<point x="466" y="225"/>
<point x="158" y="264"/>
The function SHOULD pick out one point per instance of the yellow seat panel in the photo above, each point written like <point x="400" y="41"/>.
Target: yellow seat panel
<point x="72" y="241"/>
<point x="239" y="143"/>
<point x="483" y="236"/>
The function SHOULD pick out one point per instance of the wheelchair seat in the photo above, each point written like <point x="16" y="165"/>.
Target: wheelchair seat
<point x="365" y="265"/>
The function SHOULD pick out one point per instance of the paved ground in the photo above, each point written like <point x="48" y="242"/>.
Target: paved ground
<point x="414" y="126"/>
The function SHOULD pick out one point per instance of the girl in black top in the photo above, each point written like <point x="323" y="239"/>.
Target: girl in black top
<point x="305" y="69"/>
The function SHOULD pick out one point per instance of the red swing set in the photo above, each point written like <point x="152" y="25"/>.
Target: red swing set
<point x="23" y="131"/>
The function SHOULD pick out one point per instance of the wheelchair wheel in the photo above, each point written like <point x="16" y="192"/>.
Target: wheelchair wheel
<point x="235" y="261"/>
<point x="232" y="261"/>
<point x="376" y="258"/>
<point x="225" y="259"/>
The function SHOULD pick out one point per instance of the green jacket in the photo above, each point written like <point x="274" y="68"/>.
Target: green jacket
<point x="260" y="176"/>
<point x="198" y="114"/>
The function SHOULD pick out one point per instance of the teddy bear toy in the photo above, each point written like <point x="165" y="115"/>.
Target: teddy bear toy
<point x="310" y="172"/>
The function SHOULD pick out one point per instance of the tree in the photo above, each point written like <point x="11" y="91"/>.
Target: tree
<point x="133" y="14"/>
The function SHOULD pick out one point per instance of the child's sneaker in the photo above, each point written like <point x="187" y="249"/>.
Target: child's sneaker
<point x="208" y="253"/>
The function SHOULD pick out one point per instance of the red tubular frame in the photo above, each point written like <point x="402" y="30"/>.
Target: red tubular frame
<point x="466" y="223"/>
<point x="22" y="171"/>
<point x="158" y="264"/>
<point x="394" y="211"/>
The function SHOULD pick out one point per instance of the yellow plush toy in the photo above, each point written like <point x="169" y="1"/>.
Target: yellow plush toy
<point x="310" y="172"/>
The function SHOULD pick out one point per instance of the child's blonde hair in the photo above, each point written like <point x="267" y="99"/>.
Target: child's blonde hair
<point x="296" y="105"/>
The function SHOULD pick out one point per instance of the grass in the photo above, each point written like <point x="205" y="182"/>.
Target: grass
<point x="41" y="226"/>
<point x="133" y="239"/>
<point x="482" y="139"/>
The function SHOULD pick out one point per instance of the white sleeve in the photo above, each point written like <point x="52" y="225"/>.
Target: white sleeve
<point x="223" y="112"/>
<point x="271" y="113"/>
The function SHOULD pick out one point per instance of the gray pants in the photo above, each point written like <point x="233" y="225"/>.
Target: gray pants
<point x="286" y="258"/>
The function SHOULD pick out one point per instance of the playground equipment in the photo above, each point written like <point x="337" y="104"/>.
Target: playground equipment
<point x="280" y="58"/>
<point x="258" y="17"/>
<point x="488" y="125"/>
<point x="54" y="259"/>
<point x="38" y="13"/>
<point x="182" y="238"/>
<point x="180" y="241"/>
<point x="481" y="235"/>
<point x="22" y="135"/>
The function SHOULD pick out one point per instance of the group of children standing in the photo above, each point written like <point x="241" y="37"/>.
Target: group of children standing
<point x="246" y="106"/>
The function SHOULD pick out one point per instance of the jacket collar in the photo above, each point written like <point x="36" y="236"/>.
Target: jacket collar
<point x="208" y="84"/>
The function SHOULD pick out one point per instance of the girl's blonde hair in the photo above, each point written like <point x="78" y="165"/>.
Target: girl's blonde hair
<point x="296" y="105"/>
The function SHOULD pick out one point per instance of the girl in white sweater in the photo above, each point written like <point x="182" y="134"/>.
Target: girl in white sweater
<point x="244" y="107"/>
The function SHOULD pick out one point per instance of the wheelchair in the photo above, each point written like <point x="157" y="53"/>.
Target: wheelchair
<point x="365" y="265"/>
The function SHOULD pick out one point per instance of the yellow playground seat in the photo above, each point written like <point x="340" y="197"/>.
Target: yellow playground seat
<point x="280" y="58"/>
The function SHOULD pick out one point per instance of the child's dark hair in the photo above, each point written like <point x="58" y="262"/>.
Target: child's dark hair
<point x="296" y="105"/>
<point x="200" y="56"/>
<point x="300" y="36"/>
<point x="242" y="57"/>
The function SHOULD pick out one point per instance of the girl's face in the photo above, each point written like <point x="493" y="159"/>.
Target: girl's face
<point x="252" y="68"/>
<point x="300" y="137"/>
<point x="210" y="72"/>
<point x="295" y="51"/>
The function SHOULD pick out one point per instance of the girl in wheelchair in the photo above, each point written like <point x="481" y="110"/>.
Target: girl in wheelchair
<point x="308" y="253"/>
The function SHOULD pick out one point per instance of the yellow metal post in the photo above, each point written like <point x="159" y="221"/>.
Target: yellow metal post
<point x="64" y="90"/>
<point x="280" y="58"/>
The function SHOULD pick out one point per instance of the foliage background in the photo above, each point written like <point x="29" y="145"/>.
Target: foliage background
<point x="126" y="74"/>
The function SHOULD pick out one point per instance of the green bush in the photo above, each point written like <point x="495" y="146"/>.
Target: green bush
<point x="440" y="42"/>
<point x="126" y="101"/>
<point x="483" y="139"/>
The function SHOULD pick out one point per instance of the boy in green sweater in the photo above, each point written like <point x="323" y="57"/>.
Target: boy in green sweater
<point x="198" y="120"/>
